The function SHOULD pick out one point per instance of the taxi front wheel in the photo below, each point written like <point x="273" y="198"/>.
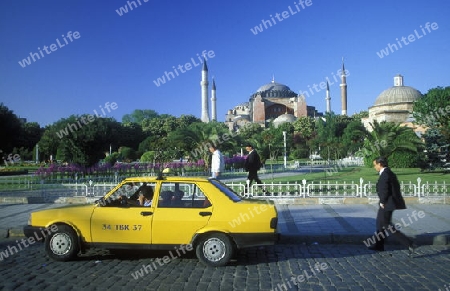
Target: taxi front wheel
<point x="62" y="245"/>
<point x="215" y="249"/>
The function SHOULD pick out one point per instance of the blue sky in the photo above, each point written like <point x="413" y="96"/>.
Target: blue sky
<point x="116" y="58"/>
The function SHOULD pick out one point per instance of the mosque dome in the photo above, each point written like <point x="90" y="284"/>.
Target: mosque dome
<point x="398" y="94"/>
<point x="275" y="90"/>
<point x="273" y="86"/>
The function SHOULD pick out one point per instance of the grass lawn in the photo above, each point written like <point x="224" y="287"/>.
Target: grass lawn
<point x="368" y="174"/>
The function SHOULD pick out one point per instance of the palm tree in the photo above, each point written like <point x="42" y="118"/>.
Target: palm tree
<point x="196" y="138"/>
<point x="387" y="138"/>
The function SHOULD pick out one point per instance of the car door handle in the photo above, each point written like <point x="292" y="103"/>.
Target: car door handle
<point x="205" y="213"/>
<point x="146" y="213"/>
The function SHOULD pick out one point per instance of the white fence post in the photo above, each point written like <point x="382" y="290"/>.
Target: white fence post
<point x="418" y="187"/>
<point x="303" y="188"/>
<point x="361" y="181"/>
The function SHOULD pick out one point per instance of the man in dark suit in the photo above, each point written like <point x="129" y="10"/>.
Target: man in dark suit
<point x="252" y="165"/>
<point x="388" y="189"/>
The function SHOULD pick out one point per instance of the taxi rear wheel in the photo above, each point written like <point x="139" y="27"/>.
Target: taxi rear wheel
<point x="62" y="245"/>
<point x="215" y="249"/>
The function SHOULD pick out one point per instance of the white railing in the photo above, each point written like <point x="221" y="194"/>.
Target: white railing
<point x="337" y="189"/>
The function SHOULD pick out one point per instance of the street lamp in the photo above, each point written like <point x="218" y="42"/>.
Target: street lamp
<point x="284" y="137"/>
<point x="37" y="153"/>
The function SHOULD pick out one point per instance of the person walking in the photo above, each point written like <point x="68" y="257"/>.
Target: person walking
<point x="217" y="162"/>
<point x="252" y="165"/>
<point x="388" y="190"/>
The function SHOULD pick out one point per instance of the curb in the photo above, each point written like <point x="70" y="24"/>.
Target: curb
<point x="16" y="232"/>
<point x="11" y="232"/>
<point x="424" y="239"/>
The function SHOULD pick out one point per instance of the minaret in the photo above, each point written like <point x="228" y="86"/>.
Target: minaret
<point x="213" y="102"/>
<point x="204" y="84"/>
<point x="343" y="90"/>
<point x="328" y="98"/>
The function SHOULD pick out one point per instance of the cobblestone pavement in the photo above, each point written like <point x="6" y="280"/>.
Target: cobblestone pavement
<point x="279" y="267"/>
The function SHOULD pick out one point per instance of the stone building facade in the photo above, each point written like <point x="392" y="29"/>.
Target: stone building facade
<point x="270" y="101"/>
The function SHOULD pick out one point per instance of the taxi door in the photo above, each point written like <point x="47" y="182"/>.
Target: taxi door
<point x="122" y="224"/>
<point x="120" y="219"/>
<point x="181" y="211"/>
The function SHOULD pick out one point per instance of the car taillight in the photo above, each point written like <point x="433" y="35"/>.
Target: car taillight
<point x="274" y="222"/>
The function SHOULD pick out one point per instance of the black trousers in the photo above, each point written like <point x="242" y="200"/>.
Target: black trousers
<point x="253" y="176"/>
<point x="385" y="228"/>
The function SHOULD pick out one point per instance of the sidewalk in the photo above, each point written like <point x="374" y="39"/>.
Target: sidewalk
<point x="352" y="224"/>
<point x="308" y="224"/>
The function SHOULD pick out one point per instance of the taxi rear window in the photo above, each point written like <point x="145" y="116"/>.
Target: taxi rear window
<point x="226" y="190"/>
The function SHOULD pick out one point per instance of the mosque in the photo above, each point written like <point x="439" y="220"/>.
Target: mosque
<point x="277" y="103"/>
<point x="395" y="104"/>
<point x="272" y="102"/>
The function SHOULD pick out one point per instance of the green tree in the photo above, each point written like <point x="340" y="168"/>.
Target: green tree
<point x="359" y="115"/>
<point x="305" y="132"/>
<point x="387" y="138"/>
<point x="271" y="144"/>
<point x="10" y="130"/>
<point x="433" y="112"/>
<point x="148" y="157"/>
<point x="305" y="126"/>
<point x="436" y="148"/>
<point x="139" y="115"/>
<point x="330" y="130"/>
<point x="127" y="154"/>
<point x="353" y="136"/>
<point x="83" y="143"/>
<point x="196" y="138"/>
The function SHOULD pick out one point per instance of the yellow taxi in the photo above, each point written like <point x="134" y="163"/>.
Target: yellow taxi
<point x="160" y="213"/>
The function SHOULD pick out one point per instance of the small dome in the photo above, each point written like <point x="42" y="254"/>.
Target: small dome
<point x="283" y="119"/>
<point x="398" y="94"/>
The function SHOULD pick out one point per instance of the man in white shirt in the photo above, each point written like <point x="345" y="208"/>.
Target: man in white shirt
<point x="217" y="162"/>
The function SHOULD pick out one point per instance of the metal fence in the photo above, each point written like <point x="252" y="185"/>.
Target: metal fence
<point x="337" y="189"/>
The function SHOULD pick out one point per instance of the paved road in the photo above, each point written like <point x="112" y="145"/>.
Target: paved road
<point x="279" y="267"/>
<point x="309" y="231"/>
